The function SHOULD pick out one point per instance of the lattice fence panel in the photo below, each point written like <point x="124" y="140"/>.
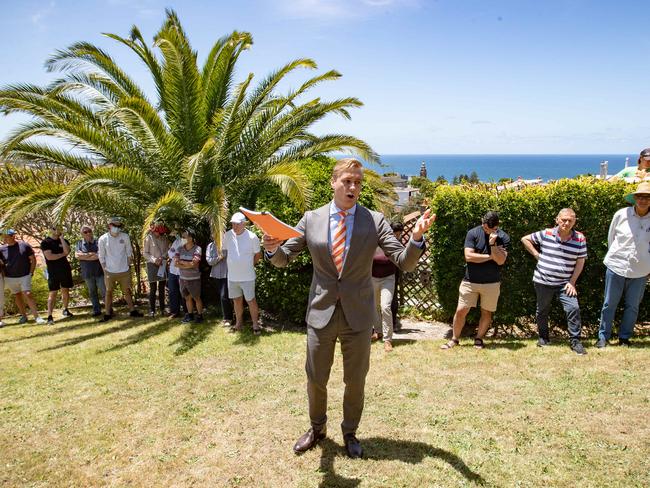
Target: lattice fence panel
<point x="415" y="289"/>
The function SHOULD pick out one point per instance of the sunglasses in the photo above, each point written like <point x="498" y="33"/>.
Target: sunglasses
<point x="86" y="231"/>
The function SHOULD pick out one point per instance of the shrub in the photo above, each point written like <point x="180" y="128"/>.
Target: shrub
<point x="523" y="211"/>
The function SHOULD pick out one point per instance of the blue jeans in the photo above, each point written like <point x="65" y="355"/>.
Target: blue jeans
<point x="96" y="284"/>
<point x="570" y="305"/>
<point x="226" y="305"/>
<point x="615" y="286"/>
<point x="174" y="286"/>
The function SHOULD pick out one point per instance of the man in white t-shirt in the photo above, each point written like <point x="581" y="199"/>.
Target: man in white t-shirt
<point x="243" y="253"/>
<point x="115" y="253"/>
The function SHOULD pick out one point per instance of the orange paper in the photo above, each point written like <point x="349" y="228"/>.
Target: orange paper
<point x="270" y="224"/>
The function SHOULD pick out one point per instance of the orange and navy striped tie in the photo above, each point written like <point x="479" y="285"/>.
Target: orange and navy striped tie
<point x="338" y="243"/>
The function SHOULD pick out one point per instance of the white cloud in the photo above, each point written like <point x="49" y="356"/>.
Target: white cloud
<point x="42" y="13"/>
<point x="339" y="9"/>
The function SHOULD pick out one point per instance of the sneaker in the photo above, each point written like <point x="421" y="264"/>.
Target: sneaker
<point x="541" y="342"/>
<point x="67" y="313"/>
<point x="227" y="323"/>
<point x="188" y="318"/>
<point x="2" y="324"/>
<point x="41" y="321"/>
<point x="578" y="348"/>
<point x="23" y="319"/>
<point x="198" y="319"/>
<point x="602" y="343"/>
<point x="106" y="317"/>
<point x="624" y="342"/>
<point x="151" y="313"/>
<point x="50" y="320"/>
<point x="135" y="313"/>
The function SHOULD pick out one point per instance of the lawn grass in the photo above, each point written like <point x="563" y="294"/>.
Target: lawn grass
<point x="155" y="403"/>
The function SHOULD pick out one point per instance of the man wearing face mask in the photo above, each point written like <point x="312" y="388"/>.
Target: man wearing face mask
<point x="115" y="256"/>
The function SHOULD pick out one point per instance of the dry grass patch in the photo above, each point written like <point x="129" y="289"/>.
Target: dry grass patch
<point x="156" y="403"/>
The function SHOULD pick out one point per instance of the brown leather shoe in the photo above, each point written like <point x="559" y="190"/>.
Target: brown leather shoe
<point x="375" y="336"/>
<point x="308" y="440"/>
<point x="352" y="446"/>
<point x="388" y="346"/>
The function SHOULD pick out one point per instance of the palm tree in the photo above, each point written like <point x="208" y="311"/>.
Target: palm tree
<point x="204" y="146"/>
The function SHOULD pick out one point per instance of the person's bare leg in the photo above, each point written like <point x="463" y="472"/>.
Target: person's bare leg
<point x="484" y="323"/>
<point x="239" y="312"/>
<point x="20" y="303"/>
<point x="129" y="299"/>
<point x="459" y="322"/>
<point x="199" y="306"/>
<point x="189" y="303"/>
<point x="65" y="297"/>
<point x="255" y="312"/>
<point x="29" y="298"/>
<point x="108" y="302"/>
<point x="51" y="300"/>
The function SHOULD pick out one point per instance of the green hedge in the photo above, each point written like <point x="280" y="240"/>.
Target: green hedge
<point x="459" y="208"/>
<point x="284" y="291"/>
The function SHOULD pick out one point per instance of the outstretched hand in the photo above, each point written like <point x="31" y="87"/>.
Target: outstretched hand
<point x="270" y="243"/>
<point x="423" y="224"/>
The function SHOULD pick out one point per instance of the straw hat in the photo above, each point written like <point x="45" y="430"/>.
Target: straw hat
<point x="642" y="189"/>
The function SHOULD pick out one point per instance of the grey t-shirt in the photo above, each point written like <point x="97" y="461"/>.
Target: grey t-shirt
<point x="189" y="255"/>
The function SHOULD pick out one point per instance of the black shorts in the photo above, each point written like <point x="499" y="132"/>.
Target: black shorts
<point x="59" y="279"/>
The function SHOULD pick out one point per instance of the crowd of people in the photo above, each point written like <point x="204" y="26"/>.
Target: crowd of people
<point x="356" y="256"/>
<point x="172" y="269"/>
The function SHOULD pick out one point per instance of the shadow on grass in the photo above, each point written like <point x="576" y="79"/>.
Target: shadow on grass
<point x="193" y="335"/>
<point x="155" y="329"/>
<point x="383" y="449"/>
<point x="399" y="342"/>
<point x="89" y="322"/>
<point x="246" y="337"/>
<point x="123" y="325"/>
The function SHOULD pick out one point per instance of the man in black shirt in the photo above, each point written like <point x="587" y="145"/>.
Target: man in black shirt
<point x="485" y="252"/>
<point x="59" y="274"/>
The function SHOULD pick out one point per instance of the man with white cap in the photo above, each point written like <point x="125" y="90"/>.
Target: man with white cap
<point x="115" y="254"/>
<point x="243" y="253"/>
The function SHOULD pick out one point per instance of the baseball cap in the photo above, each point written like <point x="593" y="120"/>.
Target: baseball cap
<point x="238" y="218"/>
<point x="645" y="153"/>
<point x="8" y="232"/>
<point x="115" y="221"/>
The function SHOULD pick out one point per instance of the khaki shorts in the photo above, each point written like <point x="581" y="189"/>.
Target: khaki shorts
<point x="124" y="279"/>
<point x="238" y="288"/>
<point x="17" y="285"/>
<point x="469" y="293"/>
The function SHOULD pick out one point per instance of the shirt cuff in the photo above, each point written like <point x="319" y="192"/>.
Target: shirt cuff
<point x="419" y="243"/>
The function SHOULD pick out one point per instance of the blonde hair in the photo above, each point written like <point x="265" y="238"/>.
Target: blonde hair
<point x="345" y="164"/>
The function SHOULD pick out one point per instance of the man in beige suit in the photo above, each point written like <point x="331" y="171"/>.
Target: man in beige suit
<point x="342" y="238"/>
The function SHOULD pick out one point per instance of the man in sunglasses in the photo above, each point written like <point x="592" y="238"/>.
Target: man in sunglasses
<point x="91" y="270"/>
<point x="56" y="249"/>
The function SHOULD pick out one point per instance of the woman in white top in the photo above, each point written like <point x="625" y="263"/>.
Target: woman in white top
<point x="628" y="265"/>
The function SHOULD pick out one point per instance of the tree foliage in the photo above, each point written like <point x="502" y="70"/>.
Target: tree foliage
<point x="203" y="145"/>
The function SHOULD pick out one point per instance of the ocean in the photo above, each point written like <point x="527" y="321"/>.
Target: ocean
<point x="492" y="167"/>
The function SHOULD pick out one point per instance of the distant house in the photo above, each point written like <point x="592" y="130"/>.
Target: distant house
<point x="405" y="193"/>
<point x="400" y="181"/>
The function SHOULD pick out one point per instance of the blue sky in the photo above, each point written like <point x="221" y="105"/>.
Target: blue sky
<point x="447" y="76"/>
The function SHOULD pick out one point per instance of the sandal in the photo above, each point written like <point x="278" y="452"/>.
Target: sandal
<point x="257" y="331"/>
<point x="450" y="344"/>
<point x="478" y="343"/>
<point x="235" y="328"/>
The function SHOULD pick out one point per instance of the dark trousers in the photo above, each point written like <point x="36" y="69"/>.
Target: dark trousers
<point x="570" y="305"/>
<point x="226" y="304"/>
<point x="158" y="286"/>
<point x="355" y="348"/>
<point x="175" y="302"/>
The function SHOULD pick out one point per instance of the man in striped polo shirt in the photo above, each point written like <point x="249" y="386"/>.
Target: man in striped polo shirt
<point x="560" y="254"/>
